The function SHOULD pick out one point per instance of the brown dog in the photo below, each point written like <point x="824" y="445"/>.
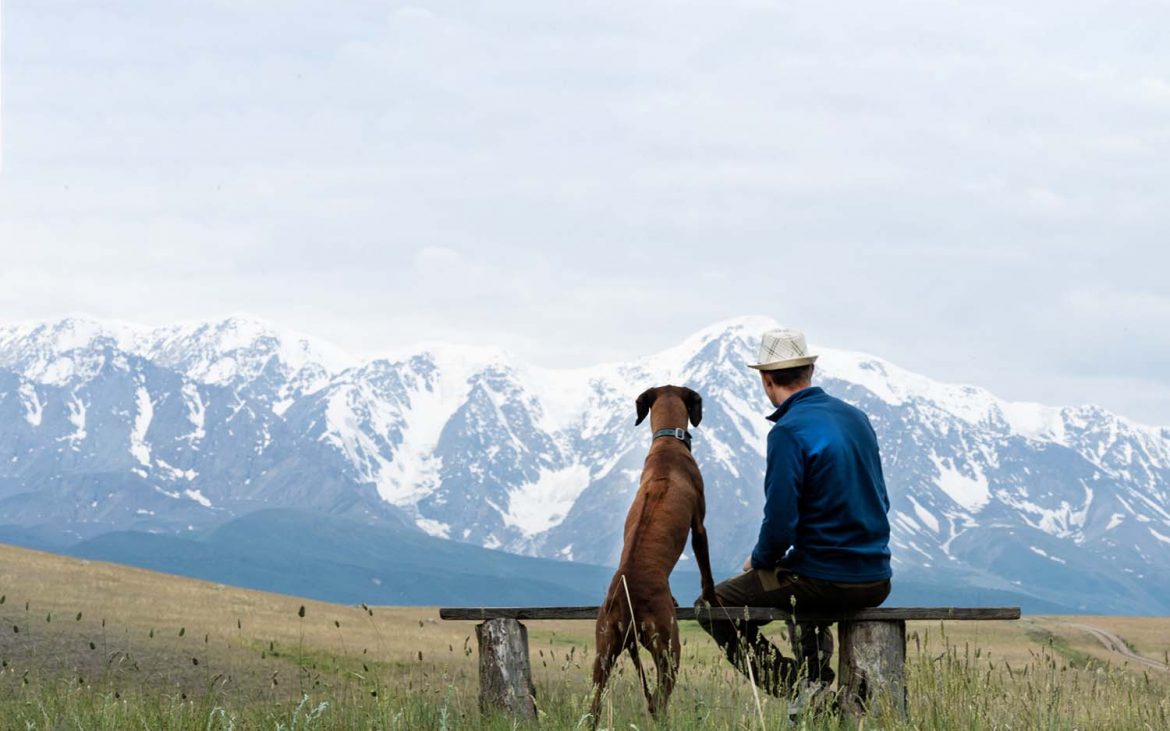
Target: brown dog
<point x="639" y="607"/>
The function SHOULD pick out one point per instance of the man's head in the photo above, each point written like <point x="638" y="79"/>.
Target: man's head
<point x="785" y="365"/>
<point x="781" y="383"/>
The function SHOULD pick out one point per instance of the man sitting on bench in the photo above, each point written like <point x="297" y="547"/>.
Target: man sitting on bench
<point x="824" y="541"/>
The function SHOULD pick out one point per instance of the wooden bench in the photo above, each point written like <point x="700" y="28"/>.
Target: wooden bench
<point x="871" y="648"/>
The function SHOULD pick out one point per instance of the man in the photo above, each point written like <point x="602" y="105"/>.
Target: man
<point x="824" y="540"/>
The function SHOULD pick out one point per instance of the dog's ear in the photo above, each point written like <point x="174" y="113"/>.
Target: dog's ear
<point x="644" y="402"/>
<point x="694" y="404"/>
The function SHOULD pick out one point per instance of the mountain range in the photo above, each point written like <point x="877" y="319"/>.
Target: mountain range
<point x="137" y="443"/>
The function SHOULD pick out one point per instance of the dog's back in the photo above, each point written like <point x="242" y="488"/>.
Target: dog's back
<point x="660" y="517"/>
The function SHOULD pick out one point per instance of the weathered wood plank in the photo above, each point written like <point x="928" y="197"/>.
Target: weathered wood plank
<point x="871" y="668"/>
<point x="505" y="678"/>
<point x="877" y="614"/>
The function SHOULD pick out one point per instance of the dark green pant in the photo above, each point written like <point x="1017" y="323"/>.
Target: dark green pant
<point x="812" y="644"/>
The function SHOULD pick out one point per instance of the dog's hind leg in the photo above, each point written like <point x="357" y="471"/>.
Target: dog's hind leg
<point x="633" y="648"/>
<point x="609" y="646"/>
<point x="663" y="644"/>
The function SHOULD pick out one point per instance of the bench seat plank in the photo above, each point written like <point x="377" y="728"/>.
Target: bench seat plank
<point x="877" y="614"/>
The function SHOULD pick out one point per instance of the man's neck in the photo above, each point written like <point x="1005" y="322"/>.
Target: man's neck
<point x="779" y="394"/>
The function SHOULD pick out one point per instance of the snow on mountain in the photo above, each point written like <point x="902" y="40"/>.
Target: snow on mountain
<point x="164" y="428"/>
<point x="234" y="350"/>
<point x="107" y="426"/>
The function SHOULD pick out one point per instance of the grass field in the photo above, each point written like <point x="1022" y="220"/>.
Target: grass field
<point x="87" y="645"/>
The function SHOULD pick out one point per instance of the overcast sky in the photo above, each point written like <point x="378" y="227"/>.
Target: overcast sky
<point x="975" y="191"/>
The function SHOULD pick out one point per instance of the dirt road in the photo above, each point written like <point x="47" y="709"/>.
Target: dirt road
<point x="1114" y="643"/>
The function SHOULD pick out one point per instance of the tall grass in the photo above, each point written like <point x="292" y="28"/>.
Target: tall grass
<point x="74" y="670"/>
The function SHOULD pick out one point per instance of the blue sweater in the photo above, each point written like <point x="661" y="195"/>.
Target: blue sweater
<point x="825" y="498"/>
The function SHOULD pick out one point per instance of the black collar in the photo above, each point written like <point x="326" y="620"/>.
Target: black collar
<point x="682" y="435"/>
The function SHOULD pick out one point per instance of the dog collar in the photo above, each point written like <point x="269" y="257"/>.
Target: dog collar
<point x="682" y="435"/>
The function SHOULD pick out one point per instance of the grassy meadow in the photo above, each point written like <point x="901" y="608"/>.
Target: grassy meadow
<point x="88" y="645"/>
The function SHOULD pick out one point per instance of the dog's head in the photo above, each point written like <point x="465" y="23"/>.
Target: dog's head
<point x="690" y="401"/>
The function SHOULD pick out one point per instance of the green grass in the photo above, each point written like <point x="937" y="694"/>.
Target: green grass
<point x="1061" y="647"/>
<point x="159" y="652"/>
<point x="951" y="689"/>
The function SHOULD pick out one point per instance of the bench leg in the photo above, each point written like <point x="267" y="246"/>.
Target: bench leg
<point x="505" y="677"/>
<point x="872" y="667"/>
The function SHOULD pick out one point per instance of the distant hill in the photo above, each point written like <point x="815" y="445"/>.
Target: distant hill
<point x="343" y="561"/>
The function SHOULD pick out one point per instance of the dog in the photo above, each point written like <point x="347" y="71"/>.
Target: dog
<point x="639" y="607"/>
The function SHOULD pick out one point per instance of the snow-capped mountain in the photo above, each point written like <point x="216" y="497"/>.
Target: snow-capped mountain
<point x="108" y="426"/>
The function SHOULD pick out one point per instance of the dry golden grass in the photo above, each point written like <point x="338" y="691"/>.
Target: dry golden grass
<point x="181" y="653"/>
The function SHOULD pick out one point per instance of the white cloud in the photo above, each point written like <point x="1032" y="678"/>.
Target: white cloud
<point x="586" y="182"/>
<point x="431" y="260"/>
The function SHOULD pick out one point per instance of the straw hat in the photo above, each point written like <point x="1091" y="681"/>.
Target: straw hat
<point x="784" y="348"/>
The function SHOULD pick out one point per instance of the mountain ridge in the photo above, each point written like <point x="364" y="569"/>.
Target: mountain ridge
<point x="178" y="429"/>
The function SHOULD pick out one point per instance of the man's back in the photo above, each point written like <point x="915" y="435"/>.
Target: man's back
<point x="826" y="452"/>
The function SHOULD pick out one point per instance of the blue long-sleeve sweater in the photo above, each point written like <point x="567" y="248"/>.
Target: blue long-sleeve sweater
<point x="825" y="497"/>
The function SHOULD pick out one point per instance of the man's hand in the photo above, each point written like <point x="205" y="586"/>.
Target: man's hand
<point x="747" y="564"/>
